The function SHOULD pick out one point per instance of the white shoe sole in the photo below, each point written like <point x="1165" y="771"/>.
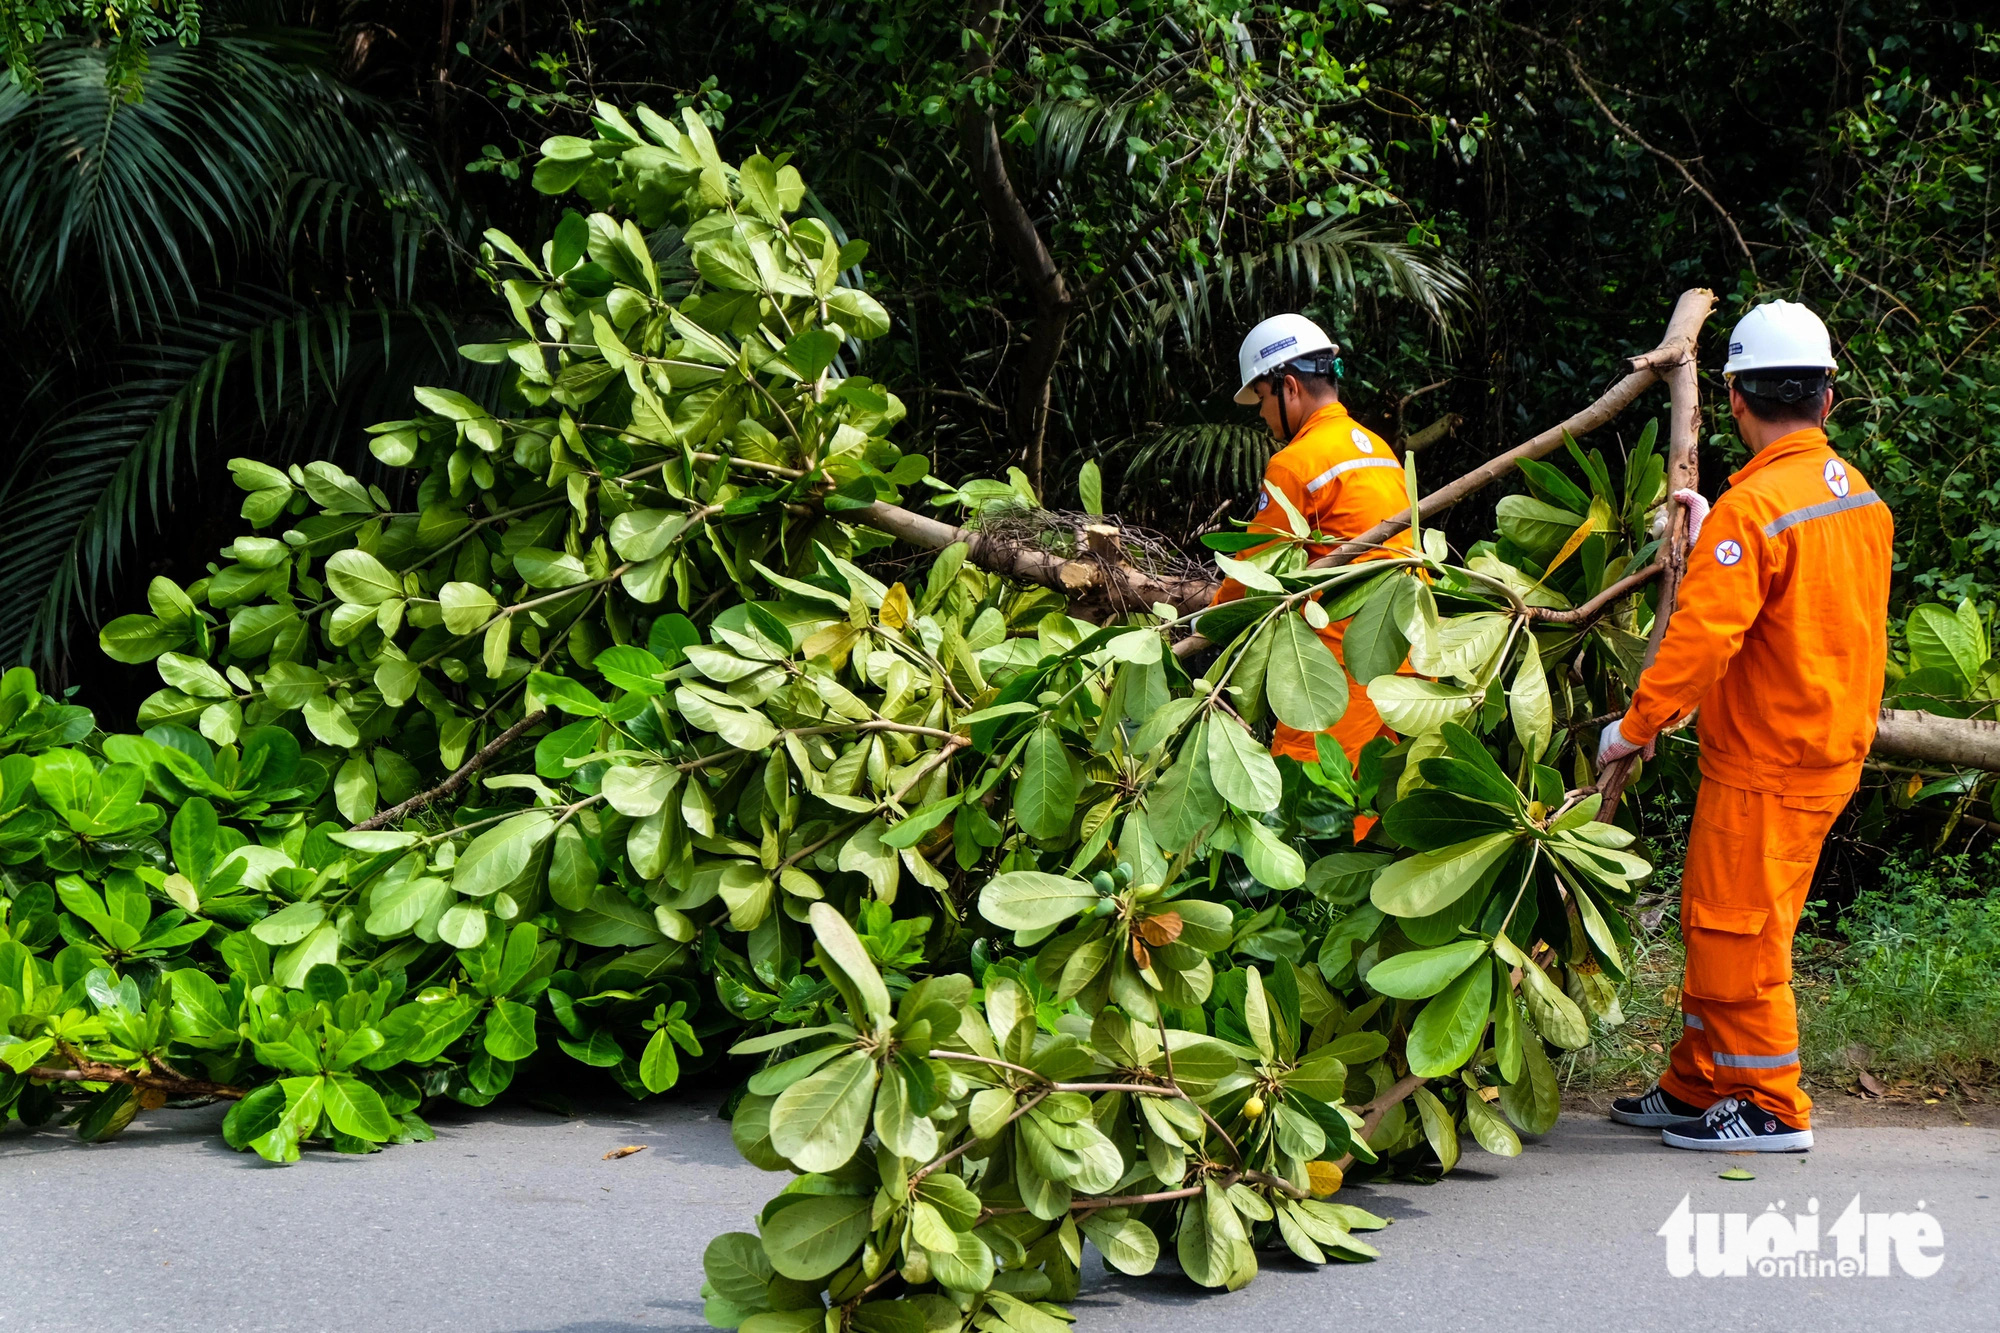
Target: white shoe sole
<point x="1797" y="1141"/>
<point x="1645" y="1120"/>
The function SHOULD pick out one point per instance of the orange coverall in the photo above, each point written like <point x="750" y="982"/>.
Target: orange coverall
<point x="1345" y="479"/>
<point x="1780" y="638"/>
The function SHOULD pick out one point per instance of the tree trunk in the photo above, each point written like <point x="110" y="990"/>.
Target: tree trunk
<point x="1028" y="417"/>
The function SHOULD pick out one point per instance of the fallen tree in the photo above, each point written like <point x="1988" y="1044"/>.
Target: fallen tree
<point x="598" y="744"/>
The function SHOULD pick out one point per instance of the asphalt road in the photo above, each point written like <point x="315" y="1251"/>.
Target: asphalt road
<point x="513" y="1223"/>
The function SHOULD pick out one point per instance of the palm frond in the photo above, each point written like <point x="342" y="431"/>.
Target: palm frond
<point x="84" y="487"/>
<point x="152" y="190"/>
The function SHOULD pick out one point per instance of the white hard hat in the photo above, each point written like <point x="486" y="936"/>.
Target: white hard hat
<point x="1279" y="339"/>
<point x="1778" y="335"/>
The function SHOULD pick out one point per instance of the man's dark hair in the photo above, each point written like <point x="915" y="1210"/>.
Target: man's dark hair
<point x="1784" y="394"/>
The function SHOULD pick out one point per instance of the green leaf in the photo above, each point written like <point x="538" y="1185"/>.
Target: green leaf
<point x="1539" y="529"/>
<point x="1555" y="1015"/>
<point x="1304" y="683"/>
<point x="1126" y="1243"/>
<point x="844" y="949"/>
<point x="1045" y="797"/>
<point x="359" y="579"/>
<point x="1493" y="1133"/>
<point x="466" y="607"/>
<point x="329" y="723"/>
<point x="510" y="1031"/>
<point x="1422" y="973"/>
<point x="1945" y="640"/>
<point x="1534" y="1100"/>
<point x="1422" y="884"/>
<point x="500" y="855"/>
<point x="1032" y="900"/>
<point x="1447" y="1032"/>
<point x="817" y="1123"/>
<point x="1429" y="819"/>
<point x="1374" y="644"/>
<point x="809" y="1239"/>
<point x="357" y="1109"/>
<point x="1438" y="1128"/>
<point x="1243" y="772"/>
<point x="1412" y="706"/>
<point x="1530" y="703"/>
<point x="659" y="1065"/>
<point x="1090" y="487"/>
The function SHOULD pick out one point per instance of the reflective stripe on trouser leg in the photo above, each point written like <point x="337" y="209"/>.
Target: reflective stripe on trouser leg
<point x="1690" y="1072"/>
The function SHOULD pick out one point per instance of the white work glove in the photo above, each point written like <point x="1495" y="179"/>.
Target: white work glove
<point x="1697" y="513"/>
<point x="1612" y="746"/>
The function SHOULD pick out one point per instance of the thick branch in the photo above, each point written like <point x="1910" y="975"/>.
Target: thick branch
<point x="486" y="755"/>
<point x="1371" y="1112"/>
<point x="162" y="1079"/>
<point x="1123" y="588"/>
<point x="1683" y="473"/>
<point x="1963" y="742"/>
<point x="1598" y="605"/>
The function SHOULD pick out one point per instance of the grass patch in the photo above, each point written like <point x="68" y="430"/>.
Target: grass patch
<point x="1905" y="984"/>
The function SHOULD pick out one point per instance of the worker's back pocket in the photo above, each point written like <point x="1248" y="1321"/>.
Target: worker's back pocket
<point x="1726" y="950"/>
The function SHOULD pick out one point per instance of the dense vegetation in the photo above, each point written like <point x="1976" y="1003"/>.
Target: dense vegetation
<point x="578" y="718"/>
<point x="1037" y="940"/>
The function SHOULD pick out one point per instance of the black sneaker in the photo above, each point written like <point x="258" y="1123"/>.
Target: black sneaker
<point x="1656" y="1110"/>
<point x="1736" y="1125"/>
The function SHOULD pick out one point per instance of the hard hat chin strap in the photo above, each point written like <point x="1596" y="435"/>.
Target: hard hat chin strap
<point x="1284" y="417"/>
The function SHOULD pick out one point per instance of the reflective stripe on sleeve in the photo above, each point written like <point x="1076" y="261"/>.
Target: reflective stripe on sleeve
<point x="1728" y="1061"/>
<point x="1339" y="469"/>
<point x="1692" y="1021"/>
<point x="1824" y="509"/>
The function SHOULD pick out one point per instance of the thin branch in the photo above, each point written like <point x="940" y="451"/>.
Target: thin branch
<point x="486" y="755"/>
<point x="1576" y="68"/>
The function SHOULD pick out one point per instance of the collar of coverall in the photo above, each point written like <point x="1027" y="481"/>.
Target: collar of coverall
<point x="1336" y="408"/>
<point x="1785" y="446"/>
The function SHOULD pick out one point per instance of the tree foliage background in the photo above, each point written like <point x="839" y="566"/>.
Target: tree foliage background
<point x="1482" y="198"/>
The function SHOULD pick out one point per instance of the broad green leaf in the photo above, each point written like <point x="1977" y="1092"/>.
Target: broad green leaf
<point x="817" y="1123"/>
<point x="1126" y="1243"/>
<point x="1422" y="884"/>
<point x="510" y="1031"/>
<point x="1493" y="1133"/>
<point x="1304" y="683"/>
<point x="1447" y="1031"/>
<point x="1534" y="1100"/>
<point x="359" y="579"/>
<point x="846" y="951"/>
<point x="1529" y="702"/>
<point x="1374" y="644"/>
<point x="807" y="1240"/>
<point x="1032" y="900"/>
<point x="1045" y="797"/>
<point x="499" y="856"/>
<point x="466" y="607"/>
<point x="1422" y="973"/>
<point x="659" y="1064"/>
<point x="1412" y="706"/>
<point x="357" y="1109"/>
<point x="1439" y="1128"/>
<point x="1947" y="640"/>
<point x="1243" y="772"/>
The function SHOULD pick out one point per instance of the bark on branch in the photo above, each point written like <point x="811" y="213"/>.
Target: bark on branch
<point x="162" y="1080"/>
<point x="487" y="754"/>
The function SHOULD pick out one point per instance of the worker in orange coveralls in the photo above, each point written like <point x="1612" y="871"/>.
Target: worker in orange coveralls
<point x="1340" y="475"/>
<point x="1779" y="638"/>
